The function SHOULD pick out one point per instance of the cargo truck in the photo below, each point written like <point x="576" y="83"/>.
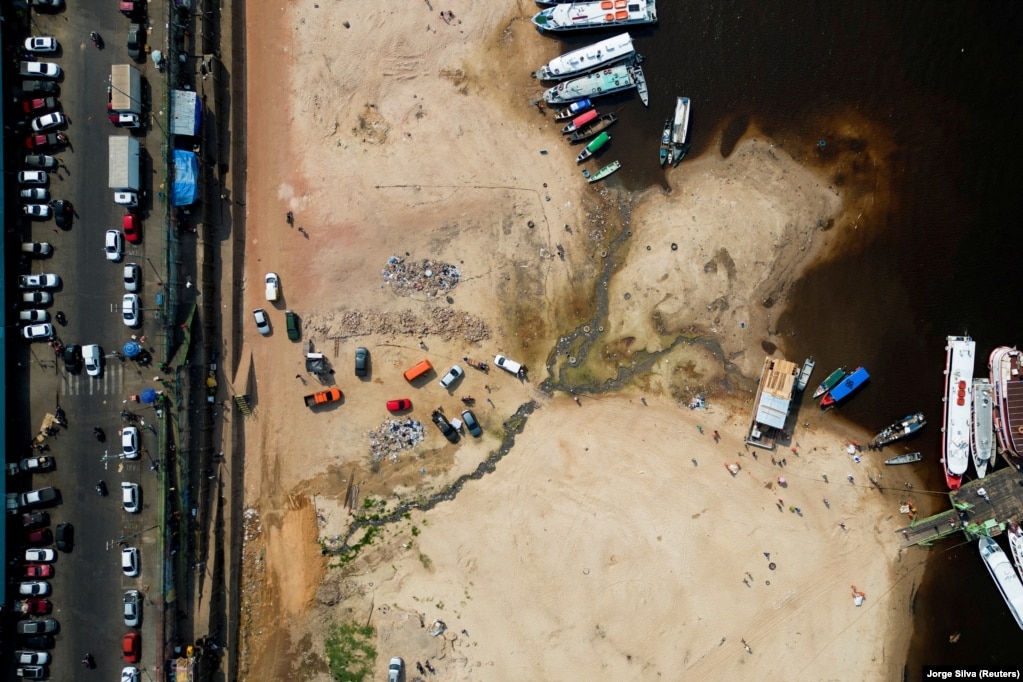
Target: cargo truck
<point x="330" y="395"/>
<point x="125" y="90"/>
<point x="124" y="164"/>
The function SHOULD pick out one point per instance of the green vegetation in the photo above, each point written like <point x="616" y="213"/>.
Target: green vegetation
<point x="350" y="652"/>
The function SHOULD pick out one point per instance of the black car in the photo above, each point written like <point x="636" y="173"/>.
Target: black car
<point x="134" y="41"/>
<point x="65" y="537"/>
<point x="33" y="87"/>
<point x="472" y="425"/>
<point x="445" y="427"/>
<point x="361" y="361"/>
<point x="39" y="641"/>
<point x="63" y="213"/>
<point x="73" y="358"/>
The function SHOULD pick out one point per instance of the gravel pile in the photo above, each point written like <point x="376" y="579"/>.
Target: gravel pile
<point x="393" y="436"/>
<point x="422" y="277"/>
<point x="442" y="322"/>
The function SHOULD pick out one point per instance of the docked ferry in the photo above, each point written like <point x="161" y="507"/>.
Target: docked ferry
<point x="589" y="58"/>
<point x="1005" y="578"/>
<point x="955" y="441"/>
<point x="1005" y="366"/>
<point x="605" y="82"/>
<point x="983" y="426"/>
<point x="577" y="16"/>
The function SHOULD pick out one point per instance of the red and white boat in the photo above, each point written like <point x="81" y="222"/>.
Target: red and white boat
<point x="1005" y="365"/>
<point x="955" y="441"/>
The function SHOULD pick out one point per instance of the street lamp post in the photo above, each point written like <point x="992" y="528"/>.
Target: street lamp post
<point x="159" y="278"/>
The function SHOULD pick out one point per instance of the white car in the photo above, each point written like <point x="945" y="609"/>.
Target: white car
<point x="453" y="375"/>
<point x="130" y="442"/>
<point x="33" y="315"/>
<point x="38" y="249"/>
<point x="130" y="561"/>
<point x="93" y="357"/>
<point x="132" y="277"/>
<point x="130" y="309"/>
<point x="37" y="298"/>
<point x="114" y="245"/>
<point x="46" y="122"/>
<point x="41" y="44"/>
<point x="273" y="286"/>
<point x="41" y="281"/>
<point x="34" y="177"/>
<point x="36" y="210"/>
<point x="129" y="673"/>
<point x="126" y="121"/>
<point x="132" y="608"/>
<point x="40" y="69"/>
<point x="508" y="365"/>
<point x="40" y="161"/>
<point x="34" y="194"/>
<point x="37" y="332"/>
<point x="396" y="670"/>
<point x="262" y="321"/>
<point x="34" y="588"/>
<point x="126" y="199"/>
<point x="130" y="497"/>
<point x="32" y="657"/>
<point x="43" y="555"/>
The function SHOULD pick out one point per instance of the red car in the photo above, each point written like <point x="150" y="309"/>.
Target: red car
<point x="130" y="647"/>
<point x="36" y="605"/>
<point x="40" y="536"/>
<point x="38" y="571"/>
<point x="130" y="223"/>
<point x="39" y="104"/>
<point x="399" y="404"/>
<point x="45" y="140"/>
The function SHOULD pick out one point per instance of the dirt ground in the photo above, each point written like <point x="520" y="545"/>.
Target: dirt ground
<point x="602" y="545"/>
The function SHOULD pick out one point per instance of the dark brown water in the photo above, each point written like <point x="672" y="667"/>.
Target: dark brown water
<point x="933" y="91"/>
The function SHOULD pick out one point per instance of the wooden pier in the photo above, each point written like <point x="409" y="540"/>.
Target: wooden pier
<point x="972" y="511"/>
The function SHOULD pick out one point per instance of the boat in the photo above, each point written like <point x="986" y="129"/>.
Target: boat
<point x="577" y="16"/>
<point x="593" y="128"/>
<point x="804" y="374"/>
<point x="606" y="82"/>
<point x="641" y="88"/>
<point x="580" y="120"/>
<point x="1015" y="534"/>
<point x="572" y="110"/>
<point x="829" y="382"/>
<point x="1005" y="578"/>
<point x="955" y="441"/>
<point x="605" y="171"/>
<point x="680" y="153"/>
<point x="589" y="58"/>
<point x="665" y="141"/>
<point x="904" y="458"/>
<point x="680" y="126"/>
<point x="906" y="426"/>
<point x="983" y="426"/>
<point x="1006" y="373"/>
<point x="598" y="142"/>
<point x="844" y="388"/>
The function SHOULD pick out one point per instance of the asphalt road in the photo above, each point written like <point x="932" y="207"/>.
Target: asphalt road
<point x="88" y="584"/>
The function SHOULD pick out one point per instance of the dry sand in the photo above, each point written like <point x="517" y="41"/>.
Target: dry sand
<point x="611" y="542"/>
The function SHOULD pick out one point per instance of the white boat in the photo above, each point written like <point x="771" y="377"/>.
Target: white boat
<point x="589" y="58"/>
<point x="577" y="16"/>
<point x="983" y="426"/>
<point x="605" y="82"/>
<point x="680" y="127"/>
<point x="955" y="441"/>
<point x="1005" y="578"/>
<point x="1015" y="534"/>
<point x="804" y="374"/>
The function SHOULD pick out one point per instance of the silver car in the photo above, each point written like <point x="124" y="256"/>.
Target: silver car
<point x="453" y="375"/>
<point x="37" y="332"/>
<point x="262" y="321"/>
<point x="130" y="310"/>
<point x="132" y="608"/>
<point x="130" y="494"/>
<point x="130" y="442"/>
<point x="132" y="277"/>
<point x="93" y="357"/>
<point x="114" y="245"/>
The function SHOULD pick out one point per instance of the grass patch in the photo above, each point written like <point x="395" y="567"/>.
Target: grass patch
<point x="350" y="652"/>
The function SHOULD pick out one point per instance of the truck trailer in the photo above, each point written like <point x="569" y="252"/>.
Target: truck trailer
<point x="124" y="163"/>
<point x="125" y="89"/>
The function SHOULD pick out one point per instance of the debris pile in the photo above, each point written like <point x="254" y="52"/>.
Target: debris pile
<point x="441" y="322"/>
<point x="393" y="436"/>
<point x="420" y="277"/>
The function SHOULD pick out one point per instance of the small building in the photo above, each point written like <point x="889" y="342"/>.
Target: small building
<point x="771" y="406"/>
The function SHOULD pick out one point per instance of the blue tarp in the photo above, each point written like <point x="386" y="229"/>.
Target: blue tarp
<point x="186" y="177"/>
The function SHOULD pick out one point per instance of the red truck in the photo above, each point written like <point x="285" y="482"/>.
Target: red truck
<point x="330" y="395"/>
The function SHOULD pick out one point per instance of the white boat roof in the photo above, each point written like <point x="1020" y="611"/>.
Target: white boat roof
<point x="586" y="14"/>
<point x="1005" y="577"/>
<point x="957" y="417"/>
<point x="577" y="61"/>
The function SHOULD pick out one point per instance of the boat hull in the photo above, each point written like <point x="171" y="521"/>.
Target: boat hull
<point x="1005" y="577"/>
<point x="1006" y="373"/>
<point x="593" y="129"/>
<point x="829" y="382"/>
<point x="955" y="442"/>
<point x="903" y="428"/>
<point x="605" y="171"/>
<point x="590" y="58"/>
<point x="804" y="374"/>
<point x="846" y="387"/>
<point x="606" y="82"/>
<point x="983" y="444"/>
<point x="906" y="458"/>
<point x="583" y="16"/>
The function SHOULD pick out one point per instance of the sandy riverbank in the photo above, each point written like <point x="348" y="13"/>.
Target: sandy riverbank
<point x="598" y="547"/>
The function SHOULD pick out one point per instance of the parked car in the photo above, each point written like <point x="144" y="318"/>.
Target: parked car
<point x="126" y="199"/>
<point x="37" y="249"/>
<point x="291" y="323"/>
<point x="273" y="286"/>
<point x="38" y="641"/>
<point x="41" y="44"/>
<point x="445" y="427"/>
<point x="34" y="588"/>
<point x="36" y="298"/>
<point x="34" y="177"/>
<point x="132" y="608"/>
<point x="130" y="310"/>
<point x="48" y="5"/>
<point x="508" y="365"/>
<point x="73" y="358"/>
<point x="35" y="519"/>
<point x="38" y="105"/>
<point x="32" y="672"/>
<point x="130" y="224"/>
<point x="39" y="536"/>
<point x="113" y="246"/>
<point x="34" y="194"/>
<point x="130" y="497"/>
<point x="472" y="425"/>
<point x="38" y="570"/>
<point x="40" y="281"/>
<point x="65" y="534"/>
<point x="130" y="561"/>
<point x="130" y="442"/>
<point x="399" y="405"/>
<point x="93" y="357"/>
<point x="32" y="87"/>
<point x="36" y="210"/>
<point x="36" y="606"/>
<point x="24" y="657"/>
<point x="41" y="160"/>
<point x="41" y="463"/>
<point x="42" y="140"/>
<point x="361" y="362"/>
<point x="135" y="41"/>
<point x="63" y="213"/>
<point x="396" y="670"/>
<point x="38" y="627"/>
<point x="41" y="554"/>
<point x="37" y="332"/>
<point x="33" y="315"/>
<point x="129" y="673"/>
<point x="132" y="277"/>
<point x="453" y="375"/>
<point x="35" y="498"/>
<point x="262" y="321"/>
<point x="48" y="122"/>
<point x="126" y="120"/>
<point x="40" y="70"/>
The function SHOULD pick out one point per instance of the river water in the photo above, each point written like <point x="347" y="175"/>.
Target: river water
<point x="934" y="88"/>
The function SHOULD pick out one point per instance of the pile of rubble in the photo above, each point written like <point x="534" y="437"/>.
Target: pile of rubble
<point x="422" y="277"/>
<point x="393" y="436"/>
<point x="441" y="322"/>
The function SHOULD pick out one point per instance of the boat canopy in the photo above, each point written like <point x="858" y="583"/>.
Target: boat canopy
<point x="598" y="142"/>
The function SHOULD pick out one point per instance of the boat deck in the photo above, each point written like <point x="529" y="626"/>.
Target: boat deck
<point x="1014" y="402"/>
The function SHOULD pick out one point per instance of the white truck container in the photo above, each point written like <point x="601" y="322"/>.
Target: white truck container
<point x="124" y="164"/>
<point x="125" y="89"/>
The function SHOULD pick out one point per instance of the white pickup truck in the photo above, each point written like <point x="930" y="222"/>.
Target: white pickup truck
<point x="508" y="365"/>
<point x="273" y="286"/>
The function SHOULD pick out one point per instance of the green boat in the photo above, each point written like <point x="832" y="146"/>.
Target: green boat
<point x="605" y="171"/>
<point x="830" y="382"/>
<point x="597" y="143"/>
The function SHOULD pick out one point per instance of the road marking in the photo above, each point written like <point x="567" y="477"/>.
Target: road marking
<point x="111" y="382"/>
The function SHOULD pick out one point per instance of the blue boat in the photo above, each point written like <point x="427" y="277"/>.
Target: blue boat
<point x="573" y="110"/>
<point x="845" y="387"/>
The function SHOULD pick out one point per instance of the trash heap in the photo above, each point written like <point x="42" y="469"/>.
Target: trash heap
<point x="422" y="277"/>
<point x="393" y="436"/>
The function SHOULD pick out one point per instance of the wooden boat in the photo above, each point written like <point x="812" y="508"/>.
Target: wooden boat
<point x="804" y="374"/>
<point x="829" y="382"/>
<point x="593" y="128"/>
<point x="605" y="171"/>
<point x="904" y="458"/>
<point x="679" y="152"/>
<point x="598" y="142"/>
<point x="641" y="87"/>
<point x="665" y="141"/>
<point x="579" y="121"/>
<point x="906" y="426"/>
<point x="574" y="109"/>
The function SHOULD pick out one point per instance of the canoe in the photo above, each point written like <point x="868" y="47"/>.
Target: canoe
<point x="679" y="153"/>
<point x="579" y="121"/>
<point x="593" y="128"/>
<point x="804" y="374"/>
<point x="829" y="382"/>
<point x="605" y="171"/>
<point x="665" y="141"/>
<point x="905" y="458"/>
<point x="574" y="109"/>
<point x="598" y="142"/>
